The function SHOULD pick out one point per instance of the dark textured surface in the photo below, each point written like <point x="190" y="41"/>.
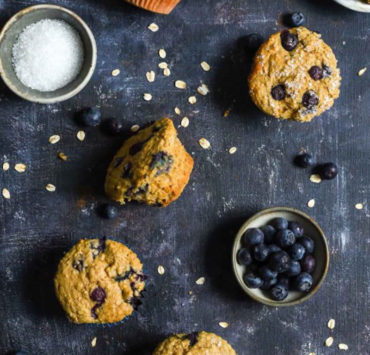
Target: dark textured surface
<point x="192" y="237"/>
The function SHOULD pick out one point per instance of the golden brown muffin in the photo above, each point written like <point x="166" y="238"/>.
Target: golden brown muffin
<point x="99" y="281"/>
<point x="294" y="75"/>
<point x="201" y="343"/>
<point x="159" y="6"/>
<point x="151" y="167"/>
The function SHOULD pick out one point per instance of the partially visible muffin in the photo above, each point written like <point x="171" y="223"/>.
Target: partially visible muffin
<point x="202" y="343"/>
<point x="151" y="167"/>
<point x="99" y="281"/>
<point x="294" y="75"/>
<point x="159" y="6"/>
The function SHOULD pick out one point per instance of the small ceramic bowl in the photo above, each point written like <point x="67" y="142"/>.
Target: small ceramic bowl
<point x="311" y="229"/>
<point x="15" y="26"/>
<point x="355" y="5"/>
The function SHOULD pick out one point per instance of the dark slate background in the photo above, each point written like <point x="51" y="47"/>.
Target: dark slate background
<point x="192" y="237"/>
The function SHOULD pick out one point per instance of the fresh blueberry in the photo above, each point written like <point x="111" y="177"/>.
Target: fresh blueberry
<point x="296" y="251"/>
<point x="260" y="252"/>
<point x="279" y="261"/>
<point x="296" y="228"/>
<point x="310" y="99"/>
<point x="308" y="264"/>
<point x="89" y="116"/>
<point x="296" y="19"/>
<point x="112" y="126"/>
<point x="278" y="92"/>
<point x="252" y="281"/>
<point x="252" y="236"/>
<point x="328" y="171"/>
<point x="254" y="40"/>
<point x="288" y="40"/>
<point x="269" y="232"/>
<point x="266" y="273"/>
<point x="267" y="284"/>
<point x="108" y="211"/>
<point x="279" y="292"/>
<point x="303" y="282"/>
<point x="294" y="268"/>
<point x="303" y="160"/>
<point x="279" y="223"/>
<point x="308" y="244"/>
<point x="285" y="238"/>
<point x="273" y="248"/>
<point x="316" y="73"/>
<point x="244" y="257"/>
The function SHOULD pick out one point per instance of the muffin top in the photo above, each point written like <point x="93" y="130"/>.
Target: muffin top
<point x="294" y="75"/>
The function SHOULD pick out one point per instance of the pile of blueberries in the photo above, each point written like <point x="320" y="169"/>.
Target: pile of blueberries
<point x="278" y="257"/>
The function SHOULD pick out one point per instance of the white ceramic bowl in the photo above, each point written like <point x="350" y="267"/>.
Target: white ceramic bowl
<point x="355" y="5"/>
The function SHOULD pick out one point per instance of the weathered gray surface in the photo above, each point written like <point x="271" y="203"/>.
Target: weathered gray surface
<point x="193" y="236"/>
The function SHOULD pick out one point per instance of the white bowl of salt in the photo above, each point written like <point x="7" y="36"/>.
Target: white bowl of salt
<point x="47" y="54"/>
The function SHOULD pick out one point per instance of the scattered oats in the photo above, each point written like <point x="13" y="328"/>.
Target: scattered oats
<point x="135" y="128"/>
<point x="315" y="178"/>
<point x="200" y="281"/>
<point x="150" y="76"/>
<point x="342" y="346"/>
<point x="311" y="203"/>
<point x="6" y="166"/>
<point x="81" y="135"/>
<point x="204" y="143"/>
<point x="180" y="84"/>
<point x="62" y="156"/>
<point x="50" y="187"/>
<point x="203" y="89"/>
<point x="166" y="72"/>
<point x="331" y="324"/>
<point x="93" y="342"/>
<point x="153" y="27"/>
<point x="359" y="206"/>
<point x="329" y="341"/>
<point x="192" y="100"/>
<point x="162" y="65"/>
<point x="361" y="71"/>
<point x="312" y="354"/>
<point x="116" y="72"/>
<point x="54" y="139"/>
<point x="185" y="122"/>
<point x="223" y="324"/>
<point x="147" y="96"/>
<point x="177" y="111"/>
<point x="6" y="193"/>
<point x="160" y="270"/>
<point x="233" y="150"/>
<point x="21" y="168"/>
<point x="205" y="66"/>
<point x="162" y="53"/>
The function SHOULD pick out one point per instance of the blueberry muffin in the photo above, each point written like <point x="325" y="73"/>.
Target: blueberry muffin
<point x="99" y="281"/>
<point x="201" y="343"/>
<point x="151" y="167"/>
<point x="294" y="75"/>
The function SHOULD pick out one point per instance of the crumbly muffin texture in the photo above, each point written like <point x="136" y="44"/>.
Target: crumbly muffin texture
<point x="151" y="167"/>
<point x="99" y="281"/>
<point x="202" y="343"/>
<point x="294" y="75"/>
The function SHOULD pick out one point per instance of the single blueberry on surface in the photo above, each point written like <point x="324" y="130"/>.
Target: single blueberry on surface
<point x="316" y="73"/>
<point x="304" y="160"/>
<point x="285" y="238"/>
<point x="296" y="251"/>
<point x="273" y="248"/>
<point x="303" y="282"/>
<point x="279" y="223"/>
<point x="252" y="281"/>
<point x="288" y="40"/>
<point x="244" y="257"/>
<point x="296" y="228"/>
<point x="296" y="19"/>
<point x="253" y="41"/>
<point x="266" y="273"/>
<point x="328" y="171"/>
<point x="310" y="99"/>
<point x="294" y="268"/>
<point x="89" y="116"/>
<point x="108" y="211"/>
<point x="279" y="261"/>
<point x="260" y="252"/>
<point x="268" y="232"/>
<point x="278" y="92"/>
<point x="267" y="284"/>
<point x="279" y="292"/>
<point x="112" y="126"/>
<point x="308" y="264"/>
<point x="252" y="236"/>
<point x="308" y="244"/>
<point x="98" y="295"/>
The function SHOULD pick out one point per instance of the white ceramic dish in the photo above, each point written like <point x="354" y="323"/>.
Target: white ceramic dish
<point x="355" y="5"/>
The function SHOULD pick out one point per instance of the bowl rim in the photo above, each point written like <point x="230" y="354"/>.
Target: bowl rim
<point x="50" y="100"/>
<point x="273" y="303"/>
<point x="354" y="6"/>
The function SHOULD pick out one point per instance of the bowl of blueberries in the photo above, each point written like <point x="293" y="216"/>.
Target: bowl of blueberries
<point x="280" y="256"/>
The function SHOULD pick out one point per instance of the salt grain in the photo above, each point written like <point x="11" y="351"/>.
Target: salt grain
<point x="48" y="55"/>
